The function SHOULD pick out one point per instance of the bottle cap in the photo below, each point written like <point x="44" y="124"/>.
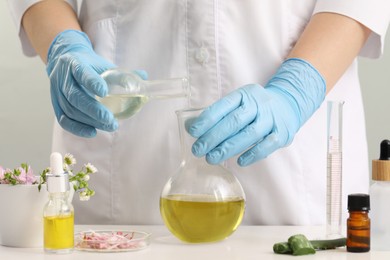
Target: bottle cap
<point x="57" y="180"/>
<point x="358" y="202"/>
<point x="381" y="167"/>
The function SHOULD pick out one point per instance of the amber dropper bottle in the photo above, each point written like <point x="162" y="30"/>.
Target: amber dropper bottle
<point x="358" y="223"/>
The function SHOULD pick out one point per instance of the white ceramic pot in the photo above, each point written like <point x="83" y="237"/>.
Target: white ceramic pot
<point x="21" y="217"/>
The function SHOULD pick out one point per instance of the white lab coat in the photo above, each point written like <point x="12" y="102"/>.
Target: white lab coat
<point x="219" y="46"/>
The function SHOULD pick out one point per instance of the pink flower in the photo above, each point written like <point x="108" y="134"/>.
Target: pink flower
<point x="1" y="175"/>
<point x="26" y="177"/>
<point x="3" y="179"/>
<point x="31" y="178"/>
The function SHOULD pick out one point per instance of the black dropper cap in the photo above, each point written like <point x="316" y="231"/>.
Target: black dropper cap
<point x="358" y="202"/>
<point x="385" y="150"/>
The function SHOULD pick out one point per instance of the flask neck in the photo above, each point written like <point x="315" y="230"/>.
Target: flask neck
<point x="167" y="88"/>
<point x="185" y="117"/>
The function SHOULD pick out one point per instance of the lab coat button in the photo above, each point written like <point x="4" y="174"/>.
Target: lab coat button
<point x="202" y="55"/>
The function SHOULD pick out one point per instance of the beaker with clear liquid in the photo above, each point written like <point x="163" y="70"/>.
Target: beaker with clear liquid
<point x="200" y="202"/>
<point x="128" y="92"/>
<point x="334" y="168"/>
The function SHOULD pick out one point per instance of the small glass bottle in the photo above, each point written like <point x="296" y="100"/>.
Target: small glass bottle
<point x="358" y="223"/>
<point x="128" y="92"/>
<point x="380" y="199"/>
<point x="58" y="214"/>
<point x="200" y="202"/>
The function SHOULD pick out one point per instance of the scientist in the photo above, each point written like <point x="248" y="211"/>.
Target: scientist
<point x="268" y="64"/>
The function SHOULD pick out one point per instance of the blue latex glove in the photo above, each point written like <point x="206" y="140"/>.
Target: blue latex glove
<point x="256" y="121"/>
<point x="74" y="70"/>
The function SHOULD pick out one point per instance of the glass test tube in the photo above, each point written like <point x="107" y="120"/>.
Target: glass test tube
<point x="334" y="168"/>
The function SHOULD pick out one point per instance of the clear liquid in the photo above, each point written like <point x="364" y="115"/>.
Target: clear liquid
<point x="123" y="106"/>
<point x="334" y="194"/>
<point x="198" y="219"/>
<point x="58" y="233"/>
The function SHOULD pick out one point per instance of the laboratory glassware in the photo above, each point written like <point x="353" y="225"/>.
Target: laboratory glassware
<point x="358" y="223"/>
<point x="334" y="168"/>
<point x="58" y="213"/>
<point x="128" y="92"/>
<point x="200" y="202"/>
<point x="380" y="198"/>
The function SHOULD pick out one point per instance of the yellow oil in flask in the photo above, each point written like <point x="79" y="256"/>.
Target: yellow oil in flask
<point x="198" y="219"/>
<point x="200" y="202"/>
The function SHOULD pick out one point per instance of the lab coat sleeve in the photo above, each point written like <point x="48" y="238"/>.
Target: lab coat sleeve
<point x="17" y="9"/>
<point x="374" y="14"/>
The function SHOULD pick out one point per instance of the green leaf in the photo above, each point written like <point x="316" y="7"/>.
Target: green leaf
<point x="17" y="172"/>
<point x="300" y="245"/>
<point x="282" y="248"/>
<point x="24" y="166"/>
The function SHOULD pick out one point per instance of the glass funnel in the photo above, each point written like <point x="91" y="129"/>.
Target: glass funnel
<point x="200" y="202"/>
<point x="128" y="92"/>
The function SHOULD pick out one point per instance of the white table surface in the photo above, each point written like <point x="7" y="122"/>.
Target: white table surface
<point x="248" y="242"/>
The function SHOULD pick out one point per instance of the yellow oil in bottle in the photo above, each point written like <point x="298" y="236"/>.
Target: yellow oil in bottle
<point x="58" y="232"/>
<point x="198" y="219"/>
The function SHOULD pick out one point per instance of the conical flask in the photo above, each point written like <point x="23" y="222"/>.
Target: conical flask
<point x="200" y="202"/>
<point x="128" y="92"/>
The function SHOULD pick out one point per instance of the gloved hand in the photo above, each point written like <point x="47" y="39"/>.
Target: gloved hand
<point x="74" y="70"/>
<point x="256" y="121"/>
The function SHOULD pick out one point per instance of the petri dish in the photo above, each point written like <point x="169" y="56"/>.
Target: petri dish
<point x="111" y="241"/>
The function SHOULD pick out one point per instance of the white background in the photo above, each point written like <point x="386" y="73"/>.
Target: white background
<point x="26" y="115"/>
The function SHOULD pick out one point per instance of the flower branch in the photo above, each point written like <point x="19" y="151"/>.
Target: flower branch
<point x="79" y="180"/>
